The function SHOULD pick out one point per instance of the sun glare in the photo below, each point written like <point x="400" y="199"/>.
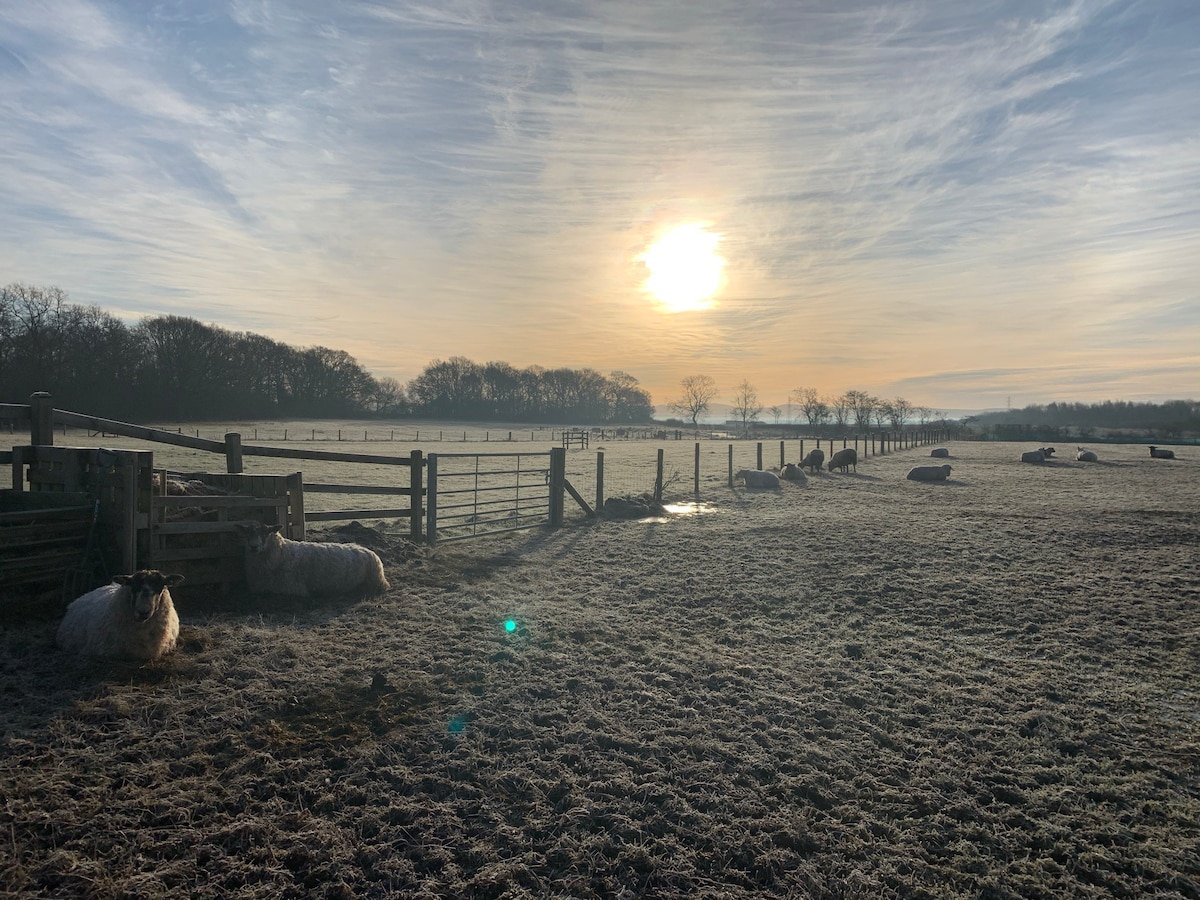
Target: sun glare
<point x="685" y="271"/>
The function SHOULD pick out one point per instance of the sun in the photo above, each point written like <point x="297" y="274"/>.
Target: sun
<point x="685" y="271"/>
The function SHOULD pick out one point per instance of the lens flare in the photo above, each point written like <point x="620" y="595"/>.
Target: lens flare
<point x="510" y="625"/>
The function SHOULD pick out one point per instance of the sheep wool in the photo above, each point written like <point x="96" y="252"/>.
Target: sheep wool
<point x="132" y="618"/>
<point x="276" y="565"/>
<point x="757" y="478"/>
<point x="844" y="459"/>
<point x="929" y="473"/>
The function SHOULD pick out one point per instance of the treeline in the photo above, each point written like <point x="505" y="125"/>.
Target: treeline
<point x="1174" y="418"/>
<point x="174" y="368"/>
<point x="461" y="389"/>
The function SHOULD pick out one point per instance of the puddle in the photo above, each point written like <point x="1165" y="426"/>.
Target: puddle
<point x="689" y="508"/>
<point x="686" y="508"/>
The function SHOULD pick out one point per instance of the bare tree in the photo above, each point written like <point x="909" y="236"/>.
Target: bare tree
<point x="698" y="392"/>
<point x="814" y="408"/>
<point x="899" y="411"/>
<point x="840" y="408"/>
<point x="776" y="413"/>
<point x="745" y="404"/>
<point x="862" y="406"/>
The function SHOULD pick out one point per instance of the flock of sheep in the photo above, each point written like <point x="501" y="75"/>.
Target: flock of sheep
<point x="134" y="618"/>
<point x="848" y="458"/>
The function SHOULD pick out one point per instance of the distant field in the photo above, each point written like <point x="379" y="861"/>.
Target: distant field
<point x="863" y="686"/>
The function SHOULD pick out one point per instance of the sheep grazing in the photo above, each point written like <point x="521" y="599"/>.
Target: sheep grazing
<point x="792" y="472"/>
<point x="757" y="478"/>
<point x="1033" y="456"/>
<point x="940" y="453"/>
<point x="929" y="473"/>
<point x="1086" y="455"/>
<point x="276" y="565"/>
<point x="132" y="618"/>
<point x="844" y="459"/>
<point x="1158" y="453"/>
<point x="814" y="461"/>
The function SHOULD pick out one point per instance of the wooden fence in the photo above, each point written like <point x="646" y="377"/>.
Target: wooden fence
<point x="194" y="533"/>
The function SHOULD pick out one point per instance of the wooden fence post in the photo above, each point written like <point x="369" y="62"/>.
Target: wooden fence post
<point x="731" y="465"/>
<point x="599" y="481"/>
<point x="233" y="453"/>
<point x="658" y="477"/>
<point x="760" y="455"/>
<point x="431" y="502"/>
<point x="696" y="479"/>
<point x="41" y="419"/>
<point x="295" y="489"/>
<point x="416" y="483"/>
<point x="782" y="457"/>
<point x="558" y="474"/>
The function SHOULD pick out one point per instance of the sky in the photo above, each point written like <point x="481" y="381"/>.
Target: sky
<point x="967" y="205"/>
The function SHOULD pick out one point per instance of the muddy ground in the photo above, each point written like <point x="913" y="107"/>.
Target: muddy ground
<point x="862" y="686"/>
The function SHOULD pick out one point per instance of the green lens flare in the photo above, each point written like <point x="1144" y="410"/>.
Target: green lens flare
<point x="510" y="625"/>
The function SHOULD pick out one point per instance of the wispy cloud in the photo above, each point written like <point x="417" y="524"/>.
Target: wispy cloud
<point x="907" y="194"/>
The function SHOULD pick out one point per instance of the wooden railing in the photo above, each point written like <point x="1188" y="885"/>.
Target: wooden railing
<point x="42" y="417"/>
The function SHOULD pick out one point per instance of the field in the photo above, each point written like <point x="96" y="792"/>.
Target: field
<point x="862" y="686"/>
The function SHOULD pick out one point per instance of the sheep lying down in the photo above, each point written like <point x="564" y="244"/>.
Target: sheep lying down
<point x="132" y="618"/>
<point x="276" y="565"/>
<point x="929" y="473"/>
<point x="793" y="472"/>
<point x="758" y="478"/>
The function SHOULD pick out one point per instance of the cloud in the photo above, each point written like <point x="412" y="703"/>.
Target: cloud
<point x="992" y="185"/>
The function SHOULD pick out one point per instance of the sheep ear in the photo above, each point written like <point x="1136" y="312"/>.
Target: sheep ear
<point x="275" y="529"/>
<point x="122" y="579"/>
<point x="172" y="580"/>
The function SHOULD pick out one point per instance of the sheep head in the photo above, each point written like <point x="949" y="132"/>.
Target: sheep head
<point x="146" y="587"/>
<point x="256" y="536"/>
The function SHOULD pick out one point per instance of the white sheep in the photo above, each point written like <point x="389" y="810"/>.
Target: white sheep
<point x="940" y="453"/>
<point x="1033" y="456"/>
<point x="757" y="478"/>
<point x="792" y="472"/>
<point x="929" y="473"/>
<point x="1086" y="455"/>
<point x="276" y="565"/>
<point x="844" y="459"/>
<point x="814" y="461"/>
<point x="132" y="618"/>
<point x="1157" y="453"/>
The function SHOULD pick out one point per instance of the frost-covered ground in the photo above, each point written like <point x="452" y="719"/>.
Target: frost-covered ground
<point x="863" y="686"/>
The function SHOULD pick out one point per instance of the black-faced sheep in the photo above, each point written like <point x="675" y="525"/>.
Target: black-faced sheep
<point x="814" y="461"/>
<point x="276" y="565"/>
<point x="792" y="472"/>
<point x="929" y="473"/>
<point x="844" y="459"/>
<point x="1159" y="453"/>
<point x="132" y="618"/>
<point x="940" y="453"/>
<point x="1086" y="455"/>
<point x="757" y="478"/>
